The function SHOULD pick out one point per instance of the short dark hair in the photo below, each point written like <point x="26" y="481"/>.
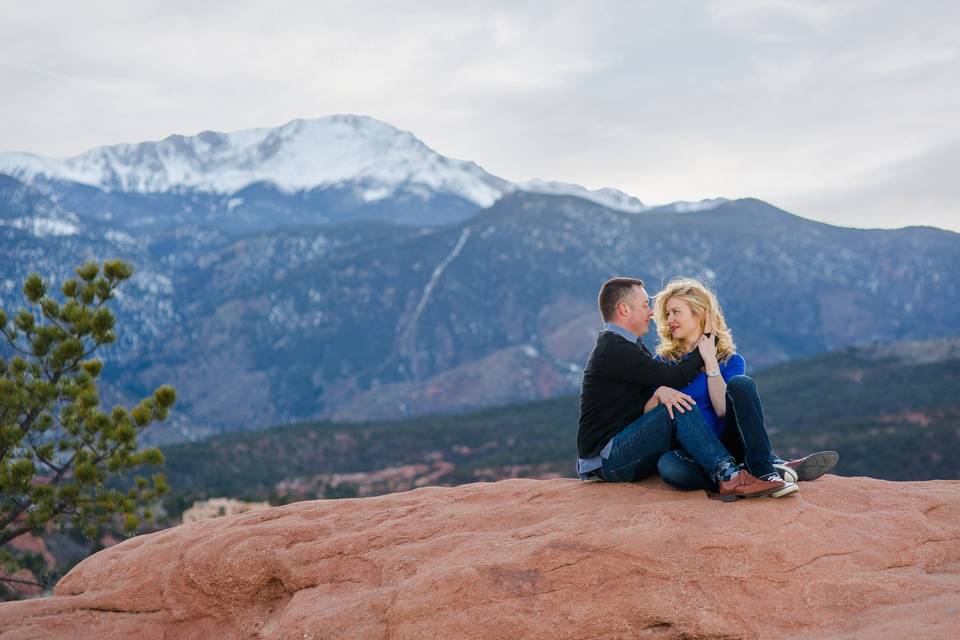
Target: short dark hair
<point x="613" y="292"/>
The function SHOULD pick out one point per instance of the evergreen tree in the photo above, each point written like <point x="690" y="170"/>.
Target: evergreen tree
<point x="58" y="448"/>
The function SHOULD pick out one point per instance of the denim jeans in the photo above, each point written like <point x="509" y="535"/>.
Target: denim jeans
<point x="744" y="436"/>
<point x="637" y="448"/>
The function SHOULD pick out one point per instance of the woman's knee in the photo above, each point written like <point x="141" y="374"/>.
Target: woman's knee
<point x="741" y="384"/>
<point x="678" y="472"/>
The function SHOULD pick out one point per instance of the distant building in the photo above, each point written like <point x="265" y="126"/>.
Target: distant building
<point x="216" y="507"/>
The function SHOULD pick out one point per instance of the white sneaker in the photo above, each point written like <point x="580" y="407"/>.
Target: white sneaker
<point x="787" y="473"/>
<point x="790" y="487"/>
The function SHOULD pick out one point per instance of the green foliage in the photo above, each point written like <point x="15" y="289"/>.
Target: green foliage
<point x="59" y="449"/>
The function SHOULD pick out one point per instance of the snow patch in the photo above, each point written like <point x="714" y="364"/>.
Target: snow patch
<point x="43" y="227"/>
<point x="702" y="205"/>
<point x="608" y="197"/>
<point x="372" y="195"/>
<point x="119" y="237"/>
<point x="153" y="282"/>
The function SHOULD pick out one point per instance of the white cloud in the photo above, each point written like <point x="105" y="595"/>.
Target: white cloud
<point x="785" y="100"/>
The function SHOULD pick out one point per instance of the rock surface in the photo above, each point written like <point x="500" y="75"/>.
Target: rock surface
<point x="551" y="559"/>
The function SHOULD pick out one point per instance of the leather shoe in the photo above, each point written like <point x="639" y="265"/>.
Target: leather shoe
<point x="747" y="485"/>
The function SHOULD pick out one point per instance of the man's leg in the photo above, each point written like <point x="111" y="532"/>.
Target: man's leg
<point x="634" y="453"/>
<point x="637" y="449"/>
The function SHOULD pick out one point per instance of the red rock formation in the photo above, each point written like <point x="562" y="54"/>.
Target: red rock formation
<point x="551" y="559"/>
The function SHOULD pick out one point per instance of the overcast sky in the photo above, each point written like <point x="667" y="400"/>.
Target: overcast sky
<point x="845" y="112"/>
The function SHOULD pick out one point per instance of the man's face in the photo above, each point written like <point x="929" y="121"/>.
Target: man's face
<point x="634" y="311"/>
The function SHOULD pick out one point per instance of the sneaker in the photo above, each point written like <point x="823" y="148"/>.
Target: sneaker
<point x="788" y="488"/>
<point x="747" y="485"/>
<point x="787" y="473"/>
<point x="809" y="468"/>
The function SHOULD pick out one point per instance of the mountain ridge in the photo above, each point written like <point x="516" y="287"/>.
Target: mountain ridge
<point x="300" y="155"/>
<point x="265" y="307"/>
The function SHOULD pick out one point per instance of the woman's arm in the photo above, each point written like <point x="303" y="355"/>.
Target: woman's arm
<point x="716" y="385"/>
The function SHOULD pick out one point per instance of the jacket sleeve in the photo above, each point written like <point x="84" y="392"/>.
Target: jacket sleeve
<point x="625" y="361"/>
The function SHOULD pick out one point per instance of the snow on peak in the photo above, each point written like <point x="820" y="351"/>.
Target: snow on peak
<point x="374" y="158"/>
<point x="302" y="154"/>
<point x="608" y="197"/>
<point x="702" y="205"/>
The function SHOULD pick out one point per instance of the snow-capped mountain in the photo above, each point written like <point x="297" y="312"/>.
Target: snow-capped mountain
<point x="300" y="155"/>
<point x="374" y="159"/>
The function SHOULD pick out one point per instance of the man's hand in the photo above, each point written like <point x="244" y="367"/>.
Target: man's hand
<point x="671" y="398"/>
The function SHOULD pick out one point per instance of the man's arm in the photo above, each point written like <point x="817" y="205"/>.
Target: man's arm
<point x="628" y="362"/>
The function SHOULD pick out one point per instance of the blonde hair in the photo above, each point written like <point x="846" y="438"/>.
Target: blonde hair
<point x="703" y="303"/>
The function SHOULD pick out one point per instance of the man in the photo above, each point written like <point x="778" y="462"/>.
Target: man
<point x="617" y="442"/>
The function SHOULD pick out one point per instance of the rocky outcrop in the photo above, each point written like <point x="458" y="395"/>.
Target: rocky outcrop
<point x="844" y="558"/>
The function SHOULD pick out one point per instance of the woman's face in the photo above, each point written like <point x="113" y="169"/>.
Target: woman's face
<point x="682" y="323"/>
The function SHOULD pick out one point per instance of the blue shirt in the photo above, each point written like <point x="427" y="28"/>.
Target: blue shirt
<point x="586" y="465"/>
<point x="735" y="365"/>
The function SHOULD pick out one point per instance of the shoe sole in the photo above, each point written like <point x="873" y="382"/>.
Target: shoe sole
<point x="816" y="464"/>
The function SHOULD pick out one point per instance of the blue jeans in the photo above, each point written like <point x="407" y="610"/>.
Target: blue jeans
<point x="745" y="436"/>
<point x="637" y="448"/>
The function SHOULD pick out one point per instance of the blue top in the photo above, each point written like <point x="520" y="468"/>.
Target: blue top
<point x="733" y="366"/>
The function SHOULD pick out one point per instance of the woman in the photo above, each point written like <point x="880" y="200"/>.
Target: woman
<point x="688" y="316"/>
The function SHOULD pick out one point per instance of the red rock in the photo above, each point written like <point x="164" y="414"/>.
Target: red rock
<point x="550" y="559"/>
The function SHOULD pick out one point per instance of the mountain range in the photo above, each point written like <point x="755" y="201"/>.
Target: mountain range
<point x="339" y="268"/>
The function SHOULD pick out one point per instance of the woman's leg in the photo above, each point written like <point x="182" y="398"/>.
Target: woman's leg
<point x="637" y="449"/>
<point x="745" y="420"/>
<point x="679" y="470"/>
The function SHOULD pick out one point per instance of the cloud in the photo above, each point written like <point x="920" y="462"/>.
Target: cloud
<point x="779" y="99"/>
<point x="922" y="189"/>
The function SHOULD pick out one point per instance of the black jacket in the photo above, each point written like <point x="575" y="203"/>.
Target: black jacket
<point x="619" y="379"/>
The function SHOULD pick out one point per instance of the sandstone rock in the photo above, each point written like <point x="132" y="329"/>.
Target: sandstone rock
<point x="550" y="559"/>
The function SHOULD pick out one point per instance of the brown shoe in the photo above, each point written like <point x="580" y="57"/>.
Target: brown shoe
<point x="747" y="485"/>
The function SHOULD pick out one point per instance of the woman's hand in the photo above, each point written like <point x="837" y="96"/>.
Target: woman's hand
<point x="708" y="349"/>
<point x="671" y="398"/>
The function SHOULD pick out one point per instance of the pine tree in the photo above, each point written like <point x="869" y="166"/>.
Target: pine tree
<point x="60" y="452"/>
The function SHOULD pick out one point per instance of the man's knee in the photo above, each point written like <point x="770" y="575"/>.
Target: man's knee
<point x="740" y="384"/>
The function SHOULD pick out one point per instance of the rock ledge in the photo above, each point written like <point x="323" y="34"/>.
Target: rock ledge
<point x="550" y="559"/>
